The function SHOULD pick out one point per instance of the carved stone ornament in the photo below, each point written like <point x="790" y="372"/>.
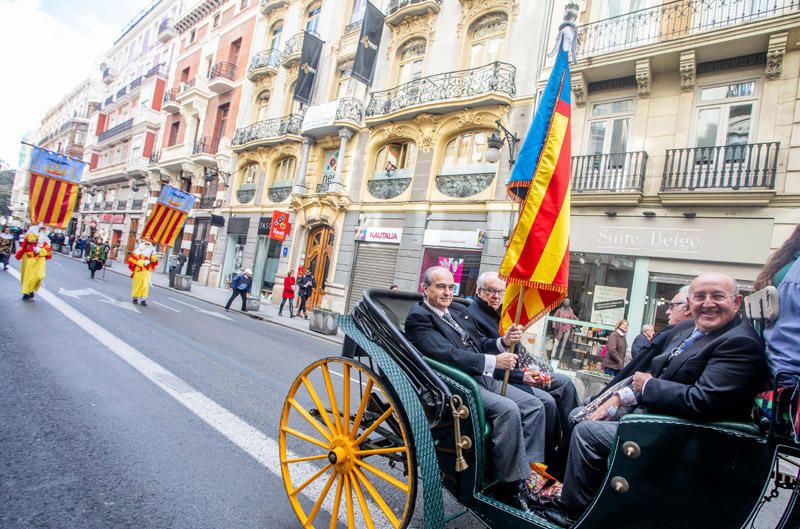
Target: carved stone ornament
<point x="578" y="89"/>
<point x="643" y="77"/>
<point x="775" y="53"/>
<point x="387" y="188"/>
<point x="688" y="69"/>
<point x="472" y="9"/>
<point x="416" y="26"/>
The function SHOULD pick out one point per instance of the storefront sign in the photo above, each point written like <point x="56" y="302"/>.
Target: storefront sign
<point x="608" y="304"/>
<point x="106" y="217"/>
<point x="454" y="238"/>
<point x="279" y="228"/>
<point x="238" y="225"/>
<point x="118" y="218"/>
<point x="371" y="234"/>
<point x="263" y="225"/>
<point x="705" y="239"/>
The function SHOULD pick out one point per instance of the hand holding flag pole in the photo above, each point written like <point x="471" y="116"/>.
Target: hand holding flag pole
<point x="513" y="349"/>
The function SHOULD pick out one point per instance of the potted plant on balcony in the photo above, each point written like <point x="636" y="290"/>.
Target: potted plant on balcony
<point x="324" y="319"/>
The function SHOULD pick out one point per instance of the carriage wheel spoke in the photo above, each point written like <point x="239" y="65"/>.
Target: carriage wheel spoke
<point x="377" y="498"/>
<point x="348" y="491"/>
<point x="337" y="500"/>
<point x="332" y="398"/>
<point x="362" y="503"/>
<point x="305" y="437"/>
<point x="307" y="416"/>
<point x="323" y="412"/>
<point x="346" y="403"/>
<point x="307" y="458"/>
<point x="310" y="480"/>
<point x="375" y="451"/>
<point x="361" y="408"/>
<point x="322" y="496"/>
<point x="383" y="475"/>
<point x="374" y="425"/>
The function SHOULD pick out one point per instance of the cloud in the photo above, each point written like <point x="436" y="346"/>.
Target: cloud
<point x="45" y="56"/>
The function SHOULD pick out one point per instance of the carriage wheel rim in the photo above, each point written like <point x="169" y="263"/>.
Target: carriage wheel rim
<point x="346" y="475"/>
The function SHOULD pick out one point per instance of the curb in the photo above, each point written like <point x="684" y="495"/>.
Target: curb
<point x="253" y="316"/>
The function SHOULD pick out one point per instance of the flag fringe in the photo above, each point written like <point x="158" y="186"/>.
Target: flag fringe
<point x="562" y="289"/>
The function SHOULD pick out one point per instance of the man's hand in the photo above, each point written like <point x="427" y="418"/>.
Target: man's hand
<point x="506" y="361"/>
<point x="639" y="378"/>
<point x="147" y="262"/>
<point x="533" y="378"/>
<point x="513" y="335"/>
<point x="36" y="249"/>
<point x="601" y="413"/>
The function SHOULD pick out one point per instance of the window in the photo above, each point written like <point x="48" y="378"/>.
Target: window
<point x="185" y="75"/>
<point x="486" y="39"/>
<point x="465" y="151"/>
<point x="262" y="102"/>
<point x="243" y="4"/>
<point x="395" y="160"/>
<point x="275" y="39"/>
<point x="284" y="171"/>
<point x="359" y="7"/>
<point x="724" y="115"/>
<point x="411" y="55"/>
<point x="192" y="36"/>
<point x="293" y="106"/>
<point x="250" y="174"/>
<point x="312" y="19"/>
<point x="345" y="84"/>
<point x="222" y="120"/>
<point x="609" y="129"/>
<point x="215" y="22"/>
<point x="235" y="51"/>
<point x="173" y="133"/>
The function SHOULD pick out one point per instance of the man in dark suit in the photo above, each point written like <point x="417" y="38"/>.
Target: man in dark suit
<point x="559" y="398"/>
<point x="446" y="332"/>
<point x="708" y="369"/>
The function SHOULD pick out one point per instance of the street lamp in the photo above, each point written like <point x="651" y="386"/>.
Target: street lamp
<point x="496" y="141"/>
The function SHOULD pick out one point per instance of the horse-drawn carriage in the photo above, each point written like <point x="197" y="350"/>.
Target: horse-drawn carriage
<point x="360" y="432"/>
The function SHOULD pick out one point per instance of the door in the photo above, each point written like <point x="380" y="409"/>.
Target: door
<point x="197" y="252"/>
<point x="131" y="238"/>
<point x="222" y="121"/>
<point x="319" y="253"/>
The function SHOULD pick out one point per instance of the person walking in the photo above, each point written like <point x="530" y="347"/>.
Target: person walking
<point x="34" y="251"/>
<point x="96" y="256"/>
<point x="289" y="285"/>
<point x="8" y="246"/>
<point x="241" y="285"/>
<point x="616" y="347"/>
<point x="306" y="286"/>
<point x="142" y="262"/>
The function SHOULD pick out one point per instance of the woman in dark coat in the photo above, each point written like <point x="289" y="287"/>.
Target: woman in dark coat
<point x="616" y="348"/>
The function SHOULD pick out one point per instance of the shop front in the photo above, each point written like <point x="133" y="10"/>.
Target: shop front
<point x="375" y="260"/>
<point x="272" y="233"/>
<point x="234" y="248"/>
<point x="457" y="250"/>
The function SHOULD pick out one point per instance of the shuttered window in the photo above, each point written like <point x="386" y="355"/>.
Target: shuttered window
<point x="374" y="267"/>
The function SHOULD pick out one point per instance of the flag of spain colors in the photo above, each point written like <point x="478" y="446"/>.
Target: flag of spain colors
<point x="168" y="216"/>
<point x="53" y="187"/>
<point x="537" y="257"/>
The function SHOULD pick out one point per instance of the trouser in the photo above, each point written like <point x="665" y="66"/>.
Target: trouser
<point x="518" y="429"/>
<point x="291" y="306"/>
<point x="4" y="260"/>
<point x="94" y="266"/>
<point x="587" y="464"/>
<point x="302" y="307"/>
<point x="237" y="292"/>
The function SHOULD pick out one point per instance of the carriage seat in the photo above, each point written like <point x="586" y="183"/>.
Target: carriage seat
<point x="469" y="383"/>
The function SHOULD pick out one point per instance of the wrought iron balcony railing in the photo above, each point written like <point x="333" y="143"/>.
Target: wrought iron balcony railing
<point x="122" y="91"/>
<point x="246" y="193"/>
<point x="107" y="205"/>
<point x="294" y="45"/>
<point x="154" y="157"/>
<point x="137" y="204"/>
<point x="350" y="108"/>
<point x="113" y="131"/>
<point x="620" y="172"/>
<point x="673" y="20"/>
<point x="108" y="101"/>
<point x="171" y="94"/>
<point x="743" y="166"/>
<point x="206" y="145"/>
<point x="122" y="204"/>
<point x="186" y="85"/>
<point x="279" y="190"/>
<point x="207" y="202"/>
<point x="223" y="70"/>
<point x="159" y="70"/>
<point x="395" y="5"/>
<point x="264" y="59"/>
<point x="165" y="25"/>
<point x="136" y="83"/>
<point x="352" y="27"/>
<point x="269" y="128"/>
<point x="462" y="84"/>
<point x="389" y="184"/>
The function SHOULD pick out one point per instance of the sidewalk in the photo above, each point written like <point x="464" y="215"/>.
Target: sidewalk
<point x="219" y="296"/>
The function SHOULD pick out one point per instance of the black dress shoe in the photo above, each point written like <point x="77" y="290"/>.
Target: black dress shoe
<point x="512" y="495"/>
<point x="558" y="516"/>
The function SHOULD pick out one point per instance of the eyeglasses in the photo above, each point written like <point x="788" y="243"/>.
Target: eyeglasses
<point x="717" y="297"/>
<point x="673" y="304"/>
<point x="493" y="291"/>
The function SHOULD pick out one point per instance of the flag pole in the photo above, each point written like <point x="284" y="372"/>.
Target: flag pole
<point x="520" y="304"/>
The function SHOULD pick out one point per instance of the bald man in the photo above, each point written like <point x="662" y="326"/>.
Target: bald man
<point x="706" y="369"/>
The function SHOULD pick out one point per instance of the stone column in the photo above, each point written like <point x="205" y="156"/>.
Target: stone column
<point x="337" y="185"/>
<point x="300" y="177"/>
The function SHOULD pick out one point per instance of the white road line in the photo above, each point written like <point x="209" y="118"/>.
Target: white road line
<point x="251" y="440"/>
<point x="340" y="375"/>
<point x="204" y="311"/>
<point x="165" y="306"/>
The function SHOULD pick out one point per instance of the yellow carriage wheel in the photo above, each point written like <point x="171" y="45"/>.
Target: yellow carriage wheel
<point x="347" y="457"/>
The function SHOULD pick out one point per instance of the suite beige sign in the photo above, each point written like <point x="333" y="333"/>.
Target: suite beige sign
<point x="733" y="240"/>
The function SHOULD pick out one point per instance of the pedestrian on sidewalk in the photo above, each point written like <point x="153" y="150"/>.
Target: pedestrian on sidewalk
<point x="289" y="287"/>
<point x="142" y="262"/>
<point x="241" y="285"/>
<point x="306" y="286"/>
<point x="96" y="256"/>
<point x="34" y="251"/>
<point x="8" y="246"/>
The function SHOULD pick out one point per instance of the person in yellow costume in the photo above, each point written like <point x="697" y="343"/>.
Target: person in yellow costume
<point x="34" y="251"/>
<point x="142" y="262"/>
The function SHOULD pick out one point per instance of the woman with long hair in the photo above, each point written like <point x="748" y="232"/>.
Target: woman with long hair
<point x="779" y="262"/>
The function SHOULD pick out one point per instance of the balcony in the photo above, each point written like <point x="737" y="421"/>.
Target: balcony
<point x="246" y="193"/>
<point x="122" y="92"/>
<point x="108" y="101"/>
<point x="267" y="132"/>
<point x="136" y="83"/>
<point x="465" y="181"/>
<point x="195" y="93"/>
<point x="321" y="121"/>
<point x="729" y="174"/>
<point x="115" y="131"/>
<point x="166" y="31"/>
<point x="399" y="10"/>
<point x="176" y="157"/>
<point x="491" y="84"/>
<point x="618" y="177"/>
<point x="205" y="150"/>
<point x="108" y="205"/>
<point x="109" y="75"/>
<point x="279" y="190"/>
<point x="352" y="27"/>
<point x="159" y="70"/>
<point x="122" y="205"/>
<point x="208" y="202"/>
<point x="170" y="103"/>
<point x="222" y="77"/>
<point x="155" y="156"/>
<point x="292" y="49"/>
<point x="386" y="185"/>
<point x="263" y="64"/>
<point x="137" y="204"/>
<point x="137" y="166"/>
<point x="268" y="6"/>
<point x="674" y="20"/>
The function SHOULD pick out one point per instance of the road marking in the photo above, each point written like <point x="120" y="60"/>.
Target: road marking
<point x="340" y="375"/>
<point x="251" y="440"/>
<point x="57" y="264"/>
<point x="204" y="311"/>
<point x="77" y="294"/>
<point x="165" y="306"/>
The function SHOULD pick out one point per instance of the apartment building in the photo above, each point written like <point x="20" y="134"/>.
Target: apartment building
<point x="124" y="128"/>
<point x="64" y="127"/>
<point x="201" y="108"/>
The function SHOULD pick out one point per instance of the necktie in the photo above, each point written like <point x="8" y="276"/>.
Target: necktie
<point x="696" y="335"/>
<point x="452" y="323"/>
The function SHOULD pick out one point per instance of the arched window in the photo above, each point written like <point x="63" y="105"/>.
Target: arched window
<point x="395" y="160"/>
<point x="247" y="186"/>
<point x="312" y="18"/>
<point x="465" y="171"/>
<point x="262" y="103"/>
<point x="410" y="56"/>
<point x="466" y="150"/>
<point x="486" y="39"/>
<point x="276" y="34"/>
<point x="282" y="179"/>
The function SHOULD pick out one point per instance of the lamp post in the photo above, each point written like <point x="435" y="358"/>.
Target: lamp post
<point x="495" y="144"/>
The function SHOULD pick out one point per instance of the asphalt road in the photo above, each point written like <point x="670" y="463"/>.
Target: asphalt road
<point x="116" y="415"/>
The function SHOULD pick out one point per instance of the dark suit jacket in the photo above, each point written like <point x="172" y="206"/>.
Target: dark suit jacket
<point x="434" y="338"/>
<point x="487" y="320"/>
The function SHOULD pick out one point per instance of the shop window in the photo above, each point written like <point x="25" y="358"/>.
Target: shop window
<point x="724" y="117"/>
<point x="410" y="57"/>
<point x="486" y="39"/>
<point x="312" y="19"/>
<point x="609" y="130"/>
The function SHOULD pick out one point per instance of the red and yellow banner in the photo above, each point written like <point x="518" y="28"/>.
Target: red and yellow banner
<point x="52" y="201"/>
<point x="163" y="225"/>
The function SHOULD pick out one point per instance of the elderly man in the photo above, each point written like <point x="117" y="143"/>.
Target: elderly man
<point x="559" y="397"/>
<point x="446" y="332"/>
<point x="643" y="340"/>
<point x="678" y="309"/>
<point x="708" y="369"/>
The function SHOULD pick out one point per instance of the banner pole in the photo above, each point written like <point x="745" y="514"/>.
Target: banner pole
<point x="54" y="152"/>
<point x="520" y="304"/>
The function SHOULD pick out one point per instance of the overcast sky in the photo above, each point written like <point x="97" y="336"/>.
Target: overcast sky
<point x="48" y="48"/>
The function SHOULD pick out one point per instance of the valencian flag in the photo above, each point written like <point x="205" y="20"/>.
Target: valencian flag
<point x="309" y="62"/>
<point x="167" y="218"/>
<point x="537" y="256"/>
<point x="368" y="44"/>
<point x="53" y="187"/>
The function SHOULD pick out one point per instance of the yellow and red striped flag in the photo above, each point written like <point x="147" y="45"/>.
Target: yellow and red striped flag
<point x="537" y="257"/>
<point x="168" y="216"/>
<point x="54" y="183"/>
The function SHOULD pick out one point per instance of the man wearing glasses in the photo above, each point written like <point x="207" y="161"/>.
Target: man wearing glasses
<point x="678" y="308"/>
<point x="445" y="331"/>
